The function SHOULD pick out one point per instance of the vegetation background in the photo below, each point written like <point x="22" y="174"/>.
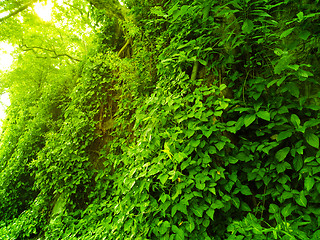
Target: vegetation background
<point x="161" y="119"/>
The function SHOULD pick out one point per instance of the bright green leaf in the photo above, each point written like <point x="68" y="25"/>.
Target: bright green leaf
<point x="163" y="178"/>
<point x="164" y="227"/>
<point x="309" y="183"/>
<point x="312" y="139"/>
<point x="179" y="232"/>
<point x="197" y="211"/>
<point x="273" y="208"/>
<point x="210" y="212"/>
<point x="245" y="190"/>
<point x="301" y="199"/>
<point x="281" y="154"/>
<point x="297" y="162"/>
<point x="190" y="225"/>
<point x="300" y="16"/>
<point x="286" y="33"/>
<point x="249" y="119"/>
<point x="284" y="135"/>
<point x="264" y="115"/>
<point x="286" y="211"/>
<point x="194" y="143"/>
<point x="295" y="120"/>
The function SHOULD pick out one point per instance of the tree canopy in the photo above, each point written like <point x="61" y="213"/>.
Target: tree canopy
<point x="161" y="119"/>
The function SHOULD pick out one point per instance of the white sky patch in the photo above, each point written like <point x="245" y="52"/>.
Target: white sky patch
<point x="4" y="14"/>
<point x="44" y="10"/>
<point x="5" y="56"/>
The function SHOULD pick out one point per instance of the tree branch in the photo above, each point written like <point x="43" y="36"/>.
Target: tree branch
<point x="18" y="10"/>
<point x="56" y="55"/>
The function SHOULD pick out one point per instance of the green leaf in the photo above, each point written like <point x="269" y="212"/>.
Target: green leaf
<point x="220" y="145"/>
<point x="282" y="64"/>
<point x="273" y="208"/>
<point x="281" y="167"/>
<point x="197" y="211"/>
<point x="295" y="120"/>
<point x="247" y="26"/>
<point x="249" y="119"/>
<point x="312" y="140"/>
<point x="286" y="211"/>
<point x="301" y="199"/>
<point x="194" y="143"/>
<point x="190" y="226"/>
<point x="245" y="190"/>
<point x="218" y="204"/>
<point x="203" y="62"/>
<point x="284" y="135"/>
<point x="300" y="16"/>
<point x="264" y="115"/>
<point x="179" y="156"/>
<point x="164" y="227"/>
<point x="304" y="34"/>
<point x="179" y="232"/>
<point x="297" y="163"/>
<point x="294" y="67"/>
<point x="163" y="178"/>
<point x="304" y="74"/>
<point x="281" y="154"/>
<point x="308" y="183"/>
<point x="286" y="33"/>
<point x="293" y="89"/>
<point x="245" y="207"/>
<point x="210" y="212"/>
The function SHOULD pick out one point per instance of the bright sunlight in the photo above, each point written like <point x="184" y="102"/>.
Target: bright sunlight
<point x="44" y="10"/>
<point x="5" y="56"/>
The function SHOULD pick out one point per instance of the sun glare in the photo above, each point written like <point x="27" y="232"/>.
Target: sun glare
<point x="44" y="10"/>
<point x="5" y="56"/>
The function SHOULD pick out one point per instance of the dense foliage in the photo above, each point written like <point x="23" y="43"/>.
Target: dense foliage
<point x="181" y="119"/>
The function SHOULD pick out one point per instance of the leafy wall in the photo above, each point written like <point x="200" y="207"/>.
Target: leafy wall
<point x="202" y="124"/>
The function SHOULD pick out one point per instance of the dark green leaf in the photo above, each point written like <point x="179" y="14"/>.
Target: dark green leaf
<point x="304" y="34"/>
<point x="293" y="89"/>
<point x="247" y="26"/>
